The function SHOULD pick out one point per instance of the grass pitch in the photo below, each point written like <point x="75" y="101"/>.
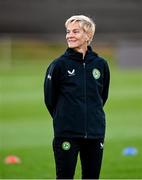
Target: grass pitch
<point x="26" y="127"/>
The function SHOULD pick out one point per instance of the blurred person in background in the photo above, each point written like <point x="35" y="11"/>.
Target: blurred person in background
<point x="75" y="91"/>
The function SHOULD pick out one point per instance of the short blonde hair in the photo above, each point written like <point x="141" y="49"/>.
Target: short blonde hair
<point x="85" y="22"/>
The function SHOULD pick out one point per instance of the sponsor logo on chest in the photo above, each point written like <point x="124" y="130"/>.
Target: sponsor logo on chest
<point x="71" y="72"/>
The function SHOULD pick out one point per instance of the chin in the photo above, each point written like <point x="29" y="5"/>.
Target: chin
<point x="72" y="46"/>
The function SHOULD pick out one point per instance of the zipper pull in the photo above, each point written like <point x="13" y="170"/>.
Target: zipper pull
<point x="84" y="64"/>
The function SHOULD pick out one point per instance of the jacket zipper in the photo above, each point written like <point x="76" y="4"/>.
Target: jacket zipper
<point x="85" y="100"/>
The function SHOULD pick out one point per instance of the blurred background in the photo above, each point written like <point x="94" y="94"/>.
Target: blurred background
<point x="32" y="34"/>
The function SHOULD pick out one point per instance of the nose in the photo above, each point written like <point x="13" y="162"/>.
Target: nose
<point x="69" y="34"/>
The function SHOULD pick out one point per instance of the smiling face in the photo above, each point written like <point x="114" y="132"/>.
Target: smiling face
<point x="76" y="37"/>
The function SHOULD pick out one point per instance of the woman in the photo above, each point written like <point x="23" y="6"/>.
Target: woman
<point x="75" y="90"/>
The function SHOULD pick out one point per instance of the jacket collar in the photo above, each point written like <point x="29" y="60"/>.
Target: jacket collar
<point x="72" y="54"/>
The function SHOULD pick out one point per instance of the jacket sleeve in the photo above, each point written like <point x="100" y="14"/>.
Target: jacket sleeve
<point x="51" y="87"/>
<point x="106" y="82"/>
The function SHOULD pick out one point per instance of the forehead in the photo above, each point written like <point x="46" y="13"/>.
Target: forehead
<point x="74" y="25"/>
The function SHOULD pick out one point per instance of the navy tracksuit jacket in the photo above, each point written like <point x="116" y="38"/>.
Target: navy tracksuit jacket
<point x="75" y="91"/>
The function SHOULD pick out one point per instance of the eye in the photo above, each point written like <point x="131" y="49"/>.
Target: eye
<point x="67" y="31"/>
<point x="76" y="31"/>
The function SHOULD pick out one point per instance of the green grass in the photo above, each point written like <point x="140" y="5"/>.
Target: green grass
<point x="26" y="127"/>
<point x="124" y="123"/>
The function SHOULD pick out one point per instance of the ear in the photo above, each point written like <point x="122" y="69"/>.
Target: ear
<point x="88" y="36"/>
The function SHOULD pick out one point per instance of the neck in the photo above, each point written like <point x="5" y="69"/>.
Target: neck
<point x="82" y="50"/>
